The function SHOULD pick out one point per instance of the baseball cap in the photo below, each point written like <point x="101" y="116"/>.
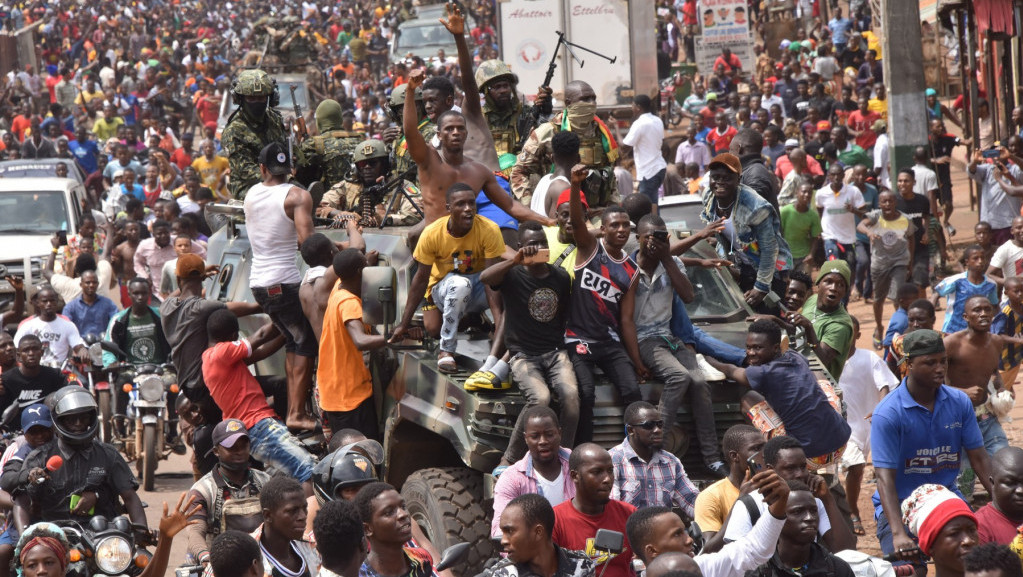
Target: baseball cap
<point x="728" y="160"/>
<point x="190" y="266"/>
<point x="879" y="125"/>
<point x="922" y="342"/>
<point x="823" y="125"/>
<point x="566" y="196"/>
<point x="792" y="143"/>
<point x="227" y="433"/>
<point x="37" y="415"/>
<point x="274" y="157"/>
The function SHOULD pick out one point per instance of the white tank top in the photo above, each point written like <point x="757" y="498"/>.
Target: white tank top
<point x="272" y="235"/>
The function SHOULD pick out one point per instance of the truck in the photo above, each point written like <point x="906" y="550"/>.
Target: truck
<point x="622" y="30"/>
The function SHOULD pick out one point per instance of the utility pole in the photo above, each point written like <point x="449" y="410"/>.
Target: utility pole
<point x="904" y="80"/>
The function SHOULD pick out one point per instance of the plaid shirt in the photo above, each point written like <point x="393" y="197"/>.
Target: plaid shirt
<point x="662" y="481"/>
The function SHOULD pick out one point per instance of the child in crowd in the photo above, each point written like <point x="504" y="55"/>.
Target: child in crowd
<point x="1009" y="322"/>
<point x="168" y="276"/>
<point x="958" y="288"/>
<point x="899" y="321"/>
<point x="919" y="315"/>
<point x="985" y="239"/>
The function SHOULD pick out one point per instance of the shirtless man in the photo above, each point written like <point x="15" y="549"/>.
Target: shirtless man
<point x="122" y="257"/>
<point x="973" y="355"/>
<point x="319" y="279"/>
<point x="439" y="170"/>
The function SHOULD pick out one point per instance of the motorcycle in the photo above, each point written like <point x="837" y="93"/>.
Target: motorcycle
<point x="142" y="429"/>
<point x="106" y="547"/>
<point x="671" y="110"/>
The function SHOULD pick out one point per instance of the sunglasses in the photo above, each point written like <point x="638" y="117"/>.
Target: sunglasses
<point x="650" y="425"/>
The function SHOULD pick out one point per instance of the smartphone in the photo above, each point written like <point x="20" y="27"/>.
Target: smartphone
<point x="755" y="463"/>
<point x="62" y="237"/>
<point x="74" y="503"/>
<point x="991" y="153"/>
<point x="543" y="255"/>
<point x="661" y="235"/>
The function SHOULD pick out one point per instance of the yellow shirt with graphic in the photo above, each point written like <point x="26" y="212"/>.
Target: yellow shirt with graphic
<point x="465" y="255"/>
<point x="210" y="172"/>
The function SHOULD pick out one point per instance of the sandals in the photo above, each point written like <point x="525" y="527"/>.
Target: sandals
<point x="857" y="525"/>
<point x="446" y="364"/>
<point x="878" y="343"/>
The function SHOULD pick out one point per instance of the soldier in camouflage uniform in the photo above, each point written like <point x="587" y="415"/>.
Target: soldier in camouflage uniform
<point x="510" y="120"/>
<point x="402" y="160"/>
<point x="297" y="47"/>
<point x="598" y="150"/>
<point x="328" y="156"/>
<point x="252" y="126"/>
<point x="372" y="163"/>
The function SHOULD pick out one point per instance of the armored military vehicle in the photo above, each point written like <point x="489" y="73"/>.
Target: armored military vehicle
<point x="441" y="443"/>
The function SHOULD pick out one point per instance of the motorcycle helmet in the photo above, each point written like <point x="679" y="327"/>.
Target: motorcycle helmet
<point x="74" y="400"/>
<point x="350" y="466"/>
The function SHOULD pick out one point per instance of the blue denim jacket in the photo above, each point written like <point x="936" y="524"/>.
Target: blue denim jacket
<point x="757" y="231"/>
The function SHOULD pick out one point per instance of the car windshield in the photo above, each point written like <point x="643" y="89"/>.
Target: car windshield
<point x="33" y="212"/>
<point x="418" y="36"/>
<point x="713" y="297"/>
<point x="682" y="216"/>
<point x="300" y="95"/>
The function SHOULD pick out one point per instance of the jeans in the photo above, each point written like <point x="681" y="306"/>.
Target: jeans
<point x="535" y="376"/>
<point x="705" y="344"/>
<point x="281" y="303"/>
<point x="612" y="359"/>
<point x="672" y="362"/>
<point x="455" y="295"/>
<point x="863" y="282"/>
<point x="994" y="440"/>
<point x="273" y="444"/>
<point x="648" y="187"/>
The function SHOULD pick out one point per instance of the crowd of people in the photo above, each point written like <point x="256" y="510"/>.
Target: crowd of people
<point x="541" y="217"/>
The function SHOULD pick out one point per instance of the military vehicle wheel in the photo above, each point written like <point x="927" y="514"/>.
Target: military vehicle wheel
<point x="446" y="503"/>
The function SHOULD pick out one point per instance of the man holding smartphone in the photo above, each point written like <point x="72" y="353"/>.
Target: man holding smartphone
<point x="536" y="296"/>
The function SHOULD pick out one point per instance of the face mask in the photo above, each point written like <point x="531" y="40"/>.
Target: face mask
<point x="255" y="109"/>
<point x="234" y="466"/>
<point x="580" y="114"/>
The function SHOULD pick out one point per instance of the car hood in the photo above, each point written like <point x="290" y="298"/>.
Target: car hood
<point x="16" y="246"/>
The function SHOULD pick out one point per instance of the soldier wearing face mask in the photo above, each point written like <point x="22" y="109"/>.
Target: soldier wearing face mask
<point x="253" y="125"/>
<point x="598" y="150"/>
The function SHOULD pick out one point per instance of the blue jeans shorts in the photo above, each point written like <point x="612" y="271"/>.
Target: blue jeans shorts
<point x="273" y="444"/>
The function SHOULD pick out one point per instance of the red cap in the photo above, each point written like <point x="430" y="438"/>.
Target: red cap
<point x="823" y="125"/>
<point x="566" y="196"/>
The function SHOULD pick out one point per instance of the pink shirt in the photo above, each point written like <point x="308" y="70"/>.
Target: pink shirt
<point x="149" y="260"/>
<point x="520" y="479"/>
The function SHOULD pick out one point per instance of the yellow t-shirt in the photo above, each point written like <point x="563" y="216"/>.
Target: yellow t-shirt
<point x="714" y="503"/>
<point x="106" y="129"/>
<point x="878" y="106"/>
<point x="342" y="377"/>
<point x="210" y="172"/>
<point x="558" y="248"/>
<point x="467" y="255"/>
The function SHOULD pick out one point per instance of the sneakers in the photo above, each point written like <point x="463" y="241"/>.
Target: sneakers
<point x="718" y="468"/>
<point x="485" y="381"/>
<point x="709" y="372"/>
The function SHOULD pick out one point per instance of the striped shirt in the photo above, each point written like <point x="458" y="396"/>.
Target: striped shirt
<point x="660" y="482"/>
<point x="1009" y="323"/>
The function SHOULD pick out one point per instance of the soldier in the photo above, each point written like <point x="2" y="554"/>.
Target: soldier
<point x="252" y="126"/>
<point x="402" y="159"/>
<point x="328" y="155"/>
<point x="297" y="47"/>
<point x="372" y="165"/>
<point x="598" y="149"/>
<point x="509" y="119"/>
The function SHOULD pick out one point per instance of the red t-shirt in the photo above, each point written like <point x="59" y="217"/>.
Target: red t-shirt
<point x="993" y="526"/>
<point x="720" y="142"/>
<point x="863" y="122"/>
<point x="732" y="62"/>
<point x="576" y="531"/>
<point x="181" y="158"/>
<point x="51" y="86"/>
<point x="689" y="13"/>
<point x="708" y="117"/>
<point x="207" y="109"/>
<point x="232" y="386"/>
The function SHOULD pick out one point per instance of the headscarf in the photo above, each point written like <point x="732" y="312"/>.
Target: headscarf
<point x="46" y="535"/>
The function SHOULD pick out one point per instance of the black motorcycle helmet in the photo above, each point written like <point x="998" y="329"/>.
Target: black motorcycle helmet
<point x="353" y="465"/>
<point x="69" y="401"/>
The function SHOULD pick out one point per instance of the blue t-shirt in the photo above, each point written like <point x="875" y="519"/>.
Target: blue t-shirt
<point x="791" y="389"/>
<point x="136" y="190"/>
<point x="957" y="289"/>
<point x="85" y="153"/>
<point x="896" y="326"/>
<point x="919" y="445"/>
<point x="840" y="30"/>
<point x="90" y="319"/>
<point x="489" y="210"/>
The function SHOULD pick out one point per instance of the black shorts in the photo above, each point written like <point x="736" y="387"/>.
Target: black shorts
<point x="282" y="304"/>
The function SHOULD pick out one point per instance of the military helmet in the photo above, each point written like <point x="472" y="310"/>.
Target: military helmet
<point x="491" y="70"/>
<point x="369" y="149"/>
<point x="398" y="95"/>
<point x="253" y="83"/>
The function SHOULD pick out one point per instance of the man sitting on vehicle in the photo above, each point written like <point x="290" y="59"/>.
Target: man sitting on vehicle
<point x="544" y="469"/>
<point x="94" y="475"/>
<point x="645" y="474"/>
<point x="372" y="166"/>
<point x="29" y="382"/>
<point x="59" y="335"/>
<point x="228" y="496"/>
<point x="239" y="395"/>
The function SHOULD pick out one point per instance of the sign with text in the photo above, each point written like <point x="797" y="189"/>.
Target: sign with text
<point x="598" y="25"/>
<point x="723" y="24"/>
<point x="528" y="33"/>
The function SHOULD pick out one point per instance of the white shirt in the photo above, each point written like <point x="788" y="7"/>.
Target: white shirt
<point x="59" y="336"/>
<point x="864" y="375"/>
<point x="739" y="523"/>
<point x="926" y="180"/>
<point x="1009" y="258"/>
<point x="275" y="239"/>
<point x="837" y="222"/>
<point x="767" y="101"/>
<point x="539" y="201"/>
<point x="746" y="554"/>
<point x="553" y="491"/>
<point x="645" y="137"/>
<point x="881" y="159"/>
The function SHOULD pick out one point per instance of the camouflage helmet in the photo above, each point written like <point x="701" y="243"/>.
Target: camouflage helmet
<point x="369" y="149"/>
<point x="491" y="70"/>
<point x="398" y="95"/>
<point x="253" y="83"/>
